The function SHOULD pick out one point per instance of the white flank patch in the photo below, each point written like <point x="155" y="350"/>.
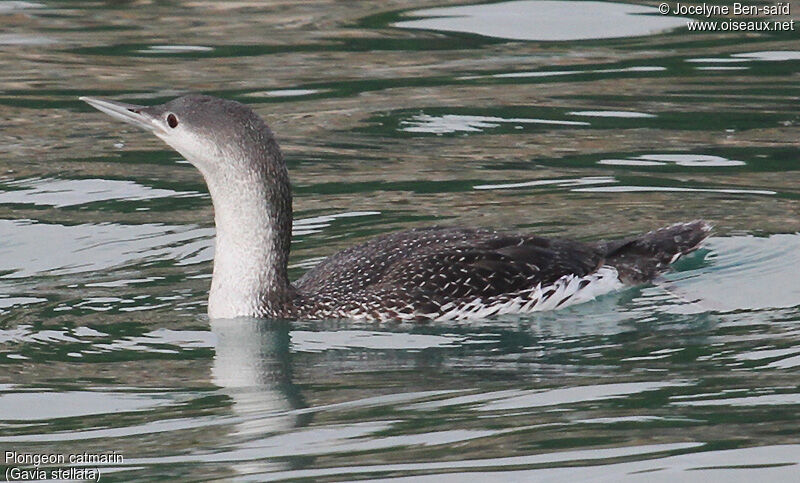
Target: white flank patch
<point x="603" y="281"/>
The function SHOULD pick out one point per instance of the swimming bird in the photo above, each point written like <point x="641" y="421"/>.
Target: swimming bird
<point x="438" y="273"/>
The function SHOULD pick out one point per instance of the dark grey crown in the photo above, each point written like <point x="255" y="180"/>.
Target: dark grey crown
<point x="219" y="118"/>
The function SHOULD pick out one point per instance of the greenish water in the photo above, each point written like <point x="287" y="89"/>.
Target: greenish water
<point x="392" y="116"/>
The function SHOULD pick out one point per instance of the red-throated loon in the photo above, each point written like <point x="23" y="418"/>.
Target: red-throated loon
<point x="429" y="273"/>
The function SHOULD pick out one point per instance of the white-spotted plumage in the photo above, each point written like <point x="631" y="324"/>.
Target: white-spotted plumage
<point x="564" y="292"/>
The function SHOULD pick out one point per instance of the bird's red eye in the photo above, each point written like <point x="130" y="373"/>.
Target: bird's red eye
<point x="172" y="121"/>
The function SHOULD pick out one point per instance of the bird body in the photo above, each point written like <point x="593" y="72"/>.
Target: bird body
<point x="436" y="273"/>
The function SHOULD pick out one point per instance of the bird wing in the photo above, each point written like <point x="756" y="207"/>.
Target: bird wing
<point x="498" y="266"/>
<point x="449" y="264"/>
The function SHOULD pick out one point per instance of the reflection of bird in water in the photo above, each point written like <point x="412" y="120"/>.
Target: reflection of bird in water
<point x="252" y="364"/>
<point x="432" y="273"/>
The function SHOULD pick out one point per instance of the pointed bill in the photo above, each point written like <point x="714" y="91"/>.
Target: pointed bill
<point x="142" y="116"/>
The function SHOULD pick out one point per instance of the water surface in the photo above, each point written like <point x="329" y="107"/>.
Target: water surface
<point x="391" y="117"/>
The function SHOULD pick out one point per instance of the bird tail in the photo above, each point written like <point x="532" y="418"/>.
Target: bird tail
<point x="642" y="258"/>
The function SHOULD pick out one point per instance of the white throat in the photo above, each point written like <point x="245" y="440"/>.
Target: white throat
<point x="249" y="257"/>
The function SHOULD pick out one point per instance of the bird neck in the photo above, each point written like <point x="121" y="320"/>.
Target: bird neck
<point x="253" y="216"/>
